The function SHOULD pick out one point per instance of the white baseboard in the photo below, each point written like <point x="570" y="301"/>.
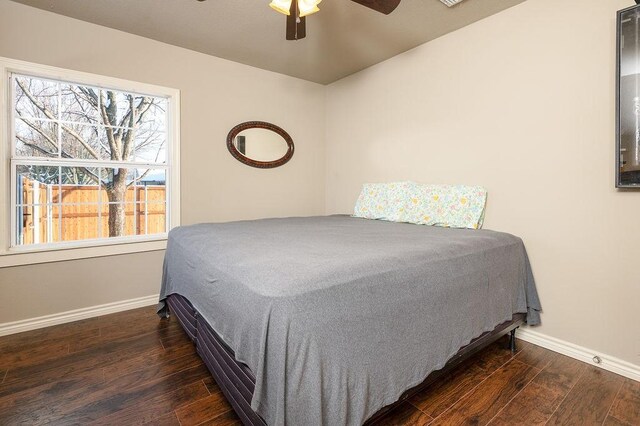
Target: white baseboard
<point x="75" y="315"/>
<point x="580" y="353"/>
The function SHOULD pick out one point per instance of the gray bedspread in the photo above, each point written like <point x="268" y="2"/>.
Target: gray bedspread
<point x="338" y="316"/>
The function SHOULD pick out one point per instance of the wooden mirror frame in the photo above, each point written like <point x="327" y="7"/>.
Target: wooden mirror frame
<point x="259" y="125"/>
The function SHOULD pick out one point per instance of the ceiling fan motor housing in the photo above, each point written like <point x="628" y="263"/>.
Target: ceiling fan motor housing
<point x="450" y="3"/>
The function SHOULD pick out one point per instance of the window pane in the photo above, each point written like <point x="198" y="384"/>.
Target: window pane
<point x="79" y="104"/>
<point x="152" y="194"/>
<point x="36" y="138"/>
<point x="35" y="98"/>
<point x="150" y="145"/>
<point x="84" y="142"/>
<point x="154" y="117"/>
<point x="79" y="176"/>
<point x="55" y="223"/>
<point x="114" y="141"/>
<point x="34" y="184"/>
<point x="151" y="135"/>
<point x="139" y="124"/>
<point x="157" y="114"/>
<point x="117" y="184"/>
<point x="119" y="106"/>
<point x="152" y="218"/>
<point x="118" y="220"/>
<point x="63" y="121"/>
<point x="79" y="185"/>
<point x="79" y="221"/>
<point x="151" y="185"/>
<point x="119" y="215"/>
<point x="36" y="224"/>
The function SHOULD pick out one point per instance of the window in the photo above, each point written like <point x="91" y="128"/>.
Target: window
<point x="90" y="163"/>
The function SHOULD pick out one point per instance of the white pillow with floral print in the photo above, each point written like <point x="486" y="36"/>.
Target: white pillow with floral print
<point x="451" y="206"/>
<point x="384" y="201"/>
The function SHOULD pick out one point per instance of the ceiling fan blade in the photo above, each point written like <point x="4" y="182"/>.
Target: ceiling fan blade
<point x="296" y="30"/>
<point x="382" y="6"/>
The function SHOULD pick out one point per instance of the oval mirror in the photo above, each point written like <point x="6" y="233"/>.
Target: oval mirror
<point x="260" y="144"/>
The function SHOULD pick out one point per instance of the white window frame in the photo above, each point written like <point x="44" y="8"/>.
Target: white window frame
<point x="42" y="253"/>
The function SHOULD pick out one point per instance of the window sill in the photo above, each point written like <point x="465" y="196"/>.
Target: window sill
<point x="31" y="255"/>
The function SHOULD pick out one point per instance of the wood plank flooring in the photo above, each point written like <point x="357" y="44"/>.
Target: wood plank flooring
<point x="133" y="369"/>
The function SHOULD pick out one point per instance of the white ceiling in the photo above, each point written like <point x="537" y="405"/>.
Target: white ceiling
<point x="343" y="38"/>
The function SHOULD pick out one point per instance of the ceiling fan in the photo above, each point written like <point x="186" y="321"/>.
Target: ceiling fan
<point x="298" y="10"/>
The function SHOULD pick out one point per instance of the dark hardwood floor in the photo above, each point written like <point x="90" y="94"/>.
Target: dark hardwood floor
<point x="132" y="368"/>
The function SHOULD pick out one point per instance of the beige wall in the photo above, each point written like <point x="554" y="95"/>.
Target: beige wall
<point x="522" y="103"/>
<point x="51" y="288"/>
<point x="216" y="95"/>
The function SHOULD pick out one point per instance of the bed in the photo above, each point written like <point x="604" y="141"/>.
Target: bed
<point x="328" y="320"/>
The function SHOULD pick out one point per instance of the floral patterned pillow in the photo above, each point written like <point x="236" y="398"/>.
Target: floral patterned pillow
<point x="384" y="201"/>
<point x="451" y="206"/>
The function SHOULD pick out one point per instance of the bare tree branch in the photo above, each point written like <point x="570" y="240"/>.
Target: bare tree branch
<point x="95" y="177"/>
<point x="139" y="111"/>
<point x="40" y="131"/>
<point x="91" y="95"/>
<point x="135" y="115"/>
<point x="138" y="179"/>
<point x="34" y="146"/>
<point x="142" y="113"/>
<point x="142" y="176"/>
<point x="50" y="115"/>
<point x="129" y="134"/>
<point x="82" y="105"/>
<point x="111" y="137"/>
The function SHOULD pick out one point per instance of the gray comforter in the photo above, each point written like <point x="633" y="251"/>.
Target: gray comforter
<point x="337" y="316"/>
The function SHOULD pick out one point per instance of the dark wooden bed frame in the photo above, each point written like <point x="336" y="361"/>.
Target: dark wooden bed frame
<point x="237" y="381"/>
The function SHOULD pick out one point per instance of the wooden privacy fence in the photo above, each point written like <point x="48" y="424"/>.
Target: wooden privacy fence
<point x="54" y="213"/>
